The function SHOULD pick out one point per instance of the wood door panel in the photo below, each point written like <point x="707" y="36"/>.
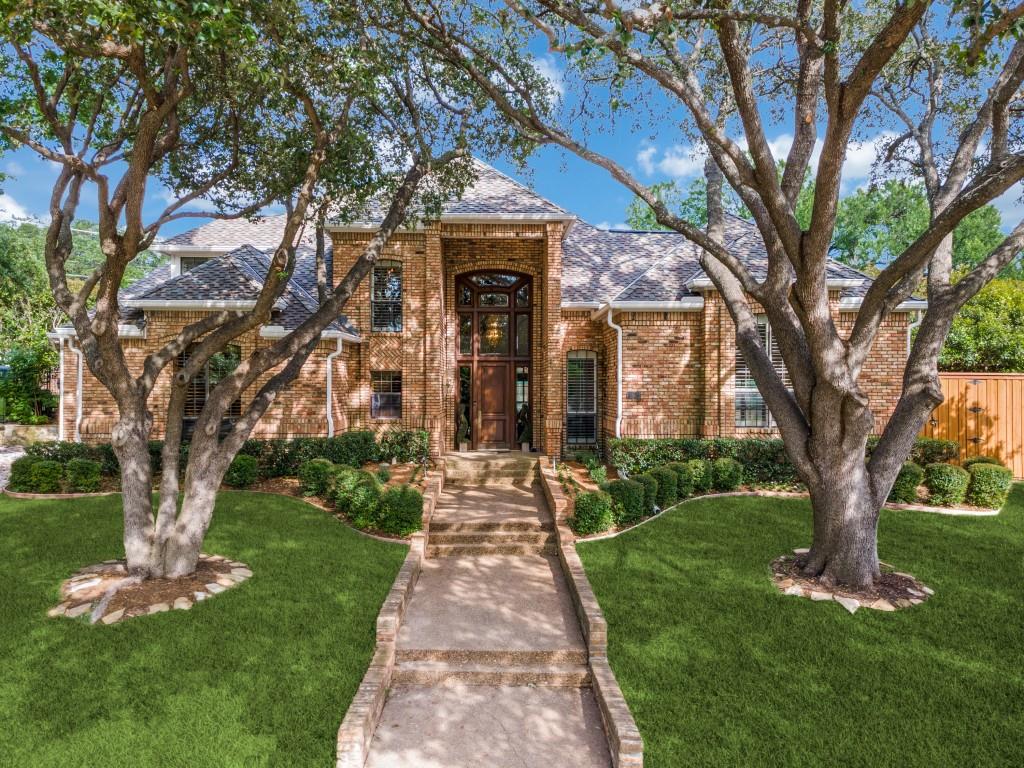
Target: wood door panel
<point x="493" y="409"/>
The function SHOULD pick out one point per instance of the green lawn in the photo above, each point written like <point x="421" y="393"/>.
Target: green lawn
<point x="720" y="669"/>
<point x="259" y="675"/>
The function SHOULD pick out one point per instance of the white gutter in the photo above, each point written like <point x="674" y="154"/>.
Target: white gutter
<point x="186" y="304"/>
<point x="78" y="392"/>
<point x="330" y="382"/>
<point x="853" y="303"/>
<point x="618" y="373"/>
<point x="705" y="283"/>
<point x="169" y="248"/>
<point x="279" y="332"/>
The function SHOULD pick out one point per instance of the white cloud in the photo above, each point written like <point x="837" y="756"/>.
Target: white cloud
<point x="677" y="161"/>
<point x="608" y="225"/>
<point x="550" y="71"/>
<point x="14" y="168"/>
<point x="199" y="204"/>
<point x="11" y="209"/>
<point x="1011" y="206"/>
<point x="861" y="156"/>
<point x="645" y="158"/>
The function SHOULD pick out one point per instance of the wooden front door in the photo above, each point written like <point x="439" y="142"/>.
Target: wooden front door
<point x="494" y="319"/>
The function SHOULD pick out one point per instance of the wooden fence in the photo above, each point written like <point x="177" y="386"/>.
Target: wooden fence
<point x="984" y="412"/>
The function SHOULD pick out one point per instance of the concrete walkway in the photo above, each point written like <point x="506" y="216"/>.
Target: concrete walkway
<point x="491" y="664"/>
<point x="8" y="454"/>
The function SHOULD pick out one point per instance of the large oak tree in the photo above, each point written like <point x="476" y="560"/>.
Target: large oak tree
<point x="828" y="73"/>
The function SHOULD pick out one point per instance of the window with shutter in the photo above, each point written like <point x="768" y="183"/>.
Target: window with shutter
<point x="581" y="397"/>
<point x="200" y="386"/>
<point x="386" y="297"/>
<point x="386" y="397"/>
<point x="751" y="410"/>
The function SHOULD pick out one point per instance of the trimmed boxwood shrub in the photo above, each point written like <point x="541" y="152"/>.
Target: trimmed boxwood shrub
<point x="592" y="513"/>
<point x="45" y="477"/>
<point x="363" y="503"/>
<point x="968" y="463"/>
<point x="701" y="474"/>
<point x="315" y="477"/>
<point x="627" y="500"/>
<point x="63" y="451"/>
<point x="650" y="485"/>
<point x="401" y="510"/>
<point x="929" y="450"/>
<point x="667" y="483"/>
<point x="243" y="472"/>
<point x="354" y="448"/>
<point x="404" y="445"/>
<point x="684" y="479"/>
<point x="21" y="473"/>
<point x="904" y="490"/>
<point x="989" y="486"/>
<point x="83" y="475"/>
<point x="727" y="474"/>
<point x="946" y="483"/>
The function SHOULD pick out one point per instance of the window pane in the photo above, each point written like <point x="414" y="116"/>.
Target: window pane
<point x="465" y="334"/>
<point x="494" y="334"/>
<point x="522" y="335"/>
<point x="386" y="298"/>
<point x="493" y="299"/>
<point x="750" y="409"/>
<point x="524" y="427"/>
<point x="494" y="280"/>
<point x="464" y="424"/>
<point x="191" y="262"/>
<point x="581" y="397"/>
<point x="386" y="400"/>
<point x="465" y="296"/>
<point x="523" y="296"/>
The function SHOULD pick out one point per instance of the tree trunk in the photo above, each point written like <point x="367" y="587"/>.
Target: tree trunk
<point x="131" y="446"/>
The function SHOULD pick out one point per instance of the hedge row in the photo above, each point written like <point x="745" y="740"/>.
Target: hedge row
<point x="274" y="458"/>
<point x="764" y="460"/>
<point x="397" y="509"/>
<point x="32" y="474"/>
<point x="984" y="483"/>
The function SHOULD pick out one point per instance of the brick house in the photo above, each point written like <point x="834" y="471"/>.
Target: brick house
<point x="509" y="313"/>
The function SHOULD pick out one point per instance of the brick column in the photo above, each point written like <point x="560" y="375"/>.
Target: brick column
<point x="718" y="365"/>
<point x="553" y="392"/>
<point x="437" y="380"/>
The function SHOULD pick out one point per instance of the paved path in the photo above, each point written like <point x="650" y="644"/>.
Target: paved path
<point x="7" y="456"/>
<point x="492" y="666"/>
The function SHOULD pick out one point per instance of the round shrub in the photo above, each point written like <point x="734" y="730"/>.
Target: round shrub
<point x="21" y="473"/>
<point x="592" y="513"/>
<point x="315" y="477"/>
<point x="383" y="473"/>
<point x="627" y="501"/>
<point x="946" y="484"/>
<point x="667" y="484"/>
<point x="904" y="490"/>
<point x="243" y="472"/>
<point x="929" y="450"/>
<point x="343" y="482"/>
<point x="45" y="477"/>
<point x="989" y="486"/>
<point x="83" y="475"/>
<point x="968" y="463"/>
<point x="401" y="510"/>
<point x="727" y="474"/>
<point x="701" y="474"/>
<point x="684" y="478"/>
<point x="650" y="485"/>
<point x="364" y="501"/>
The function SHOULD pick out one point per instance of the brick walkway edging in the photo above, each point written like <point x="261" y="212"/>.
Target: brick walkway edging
<point x="360" y="722"/>
<point x="624" y="741"/>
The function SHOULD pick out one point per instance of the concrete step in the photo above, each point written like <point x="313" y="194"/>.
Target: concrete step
<point x="509" y="658"/>
<point x="537" y="537"/>
<point x="441" y="673"/>
<point x="478" y="550"/>
<point x="497" y="477"/>
<point x="485" y="526"/>
<point x="491" y="461"/>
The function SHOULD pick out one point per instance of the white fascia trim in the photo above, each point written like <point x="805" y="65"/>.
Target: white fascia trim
<point x="853" y="303"/>
<point x="580" y="305"/>
<point x="124" y="331"/>
<point x="700" y="284"/>
<point x="185" y="304"/>
<point x="186" y="250"/>
<point x="705" y="284"/>
<point x="279" y="332"/>
<point x="694" y="304"/>
<point x="461" y="219"/>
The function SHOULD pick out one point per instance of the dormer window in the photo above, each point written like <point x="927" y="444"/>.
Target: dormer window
<point x="191" y="262"/>
<point x="386" y="297"/>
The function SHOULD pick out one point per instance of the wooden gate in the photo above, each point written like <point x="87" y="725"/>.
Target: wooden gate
<point x="984" y="412"/>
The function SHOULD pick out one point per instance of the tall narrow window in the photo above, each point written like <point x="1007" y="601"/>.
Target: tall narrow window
<point x="386" y="297"/>
<point x="218" y="367"/>
<point x="751" y="410"/>
<point x="386" y="398"/>
<point x="581" y="397"/>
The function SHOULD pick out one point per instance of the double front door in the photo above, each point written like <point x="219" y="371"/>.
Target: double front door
<point x="494" y="319"/>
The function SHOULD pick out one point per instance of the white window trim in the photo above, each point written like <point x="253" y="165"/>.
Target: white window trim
<point x="582" y="354"/>
<point x="753" y="391"/>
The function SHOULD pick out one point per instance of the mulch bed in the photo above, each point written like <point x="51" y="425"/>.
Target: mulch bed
<point x="893" y="591"/>
<point x="85" y="593"/>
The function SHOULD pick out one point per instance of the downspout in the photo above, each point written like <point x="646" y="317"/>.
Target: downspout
<point x="78" y="392"/>
<point x="910" y="331"/>
<point x="60" y="402"/>
<point x="618" y="372"/>
<point x="330" y="383"/>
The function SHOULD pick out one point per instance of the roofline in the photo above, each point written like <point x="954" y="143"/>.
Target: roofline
<point x="186" y="304"/>
<point x="279" y="332"/>
<point x="690" y="304"/>
<point x="178" y="248"/>
<point x="504" y="218"/>
<point x="124" y="331"/>
<point x="706" y="284"/>
<point x="853" y="303"/>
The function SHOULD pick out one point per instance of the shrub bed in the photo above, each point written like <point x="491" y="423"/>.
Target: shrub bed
<point x="21" y="473"/>
<point x="904" y="490"/>
<point x="627" y="501"/>
<point x="400" y="511"/>
<point x="315" y="477"/>
<point x="592" y="513"/>
<point x="946" y="484"/>
<point x="727" y="474"/>
<point x="45" y="476"/>
<point x="243" y="472"/>
<point x="668" y="482"/>
<point x="83" y="475"/>
<point x="684" y="478"/>
<point x="968" y="463"/>
<point x="650" y="485"/>
<point x="701" y="475"/>
<point x="989" y="485"/>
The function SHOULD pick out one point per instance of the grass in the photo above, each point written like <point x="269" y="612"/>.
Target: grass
<point x="258" y="676"/>
<point x="720" y="669"/>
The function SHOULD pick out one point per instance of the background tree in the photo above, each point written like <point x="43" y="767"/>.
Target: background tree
<point x="988" y="333"/>
<point x="821" y="67"/>
<point x="124" y="93"/>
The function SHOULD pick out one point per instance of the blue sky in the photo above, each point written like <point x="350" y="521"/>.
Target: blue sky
<point x="653" y="148"/>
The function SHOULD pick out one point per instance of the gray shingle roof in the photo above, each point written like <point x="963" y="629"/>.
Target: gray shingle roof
<point x="231" y="233"/>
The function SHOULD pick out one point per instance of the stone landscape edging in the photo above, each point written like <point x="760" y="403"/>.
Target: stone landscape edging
<point x="56" y="496"/>
<point x="357" y="728"/>
<point x="624" y="741"/>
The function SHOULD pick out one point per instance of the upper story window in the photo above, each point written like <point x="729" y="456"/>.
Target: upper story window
<point x="191" y="262"/>
<point x="751" y="410"/>
<point x="386" y="297"/>
<point x="386" y="397"/>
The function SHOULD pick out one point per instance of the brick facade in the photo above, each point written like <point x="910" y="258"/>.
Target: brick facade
<point x="678" y="367"/>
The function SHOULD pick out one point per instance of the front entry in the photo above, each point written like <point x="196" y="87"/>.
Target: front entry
<point x="495" y="318"/>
